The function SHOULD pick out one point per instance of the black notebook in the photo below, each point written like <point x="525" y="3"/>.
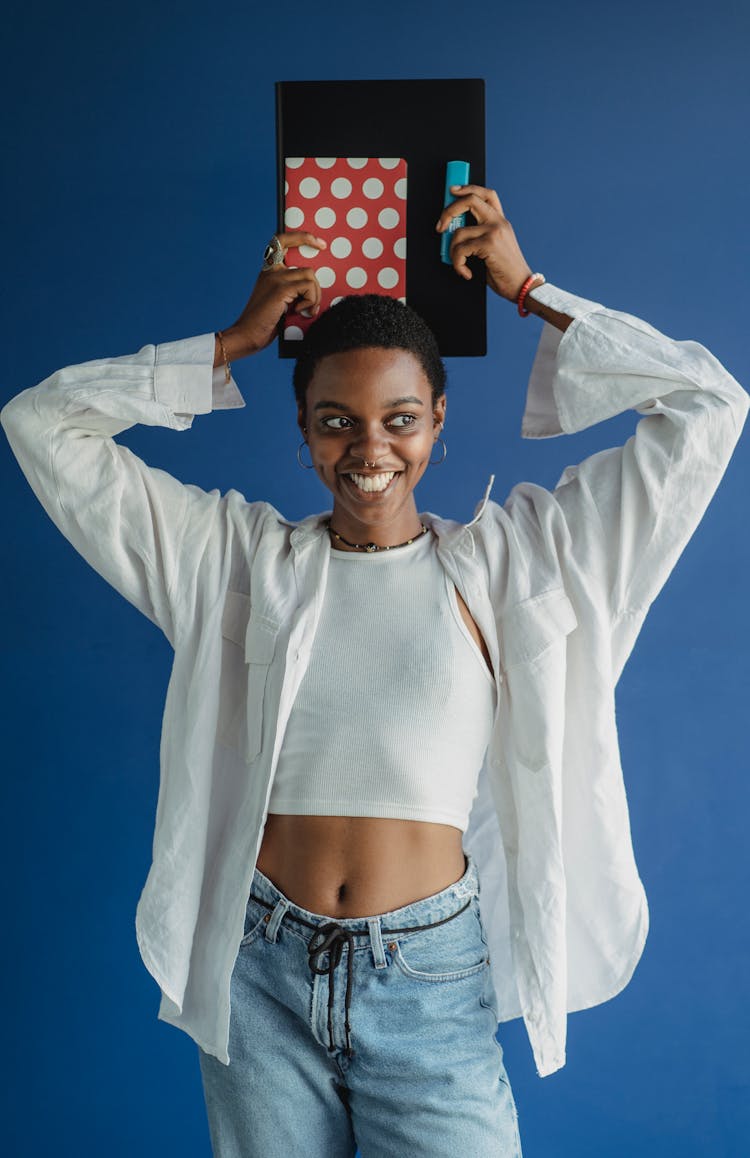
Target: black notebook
<point x="362" y="164"/>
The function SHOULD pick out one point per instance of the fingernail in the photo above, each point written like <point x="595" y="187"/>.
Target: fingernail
<point x="438" y="225"/>
<point x="456" y="186"/>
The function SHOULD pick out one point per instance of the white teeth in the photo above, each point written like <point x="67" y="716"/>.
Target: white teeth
<point x="372" y="482"/>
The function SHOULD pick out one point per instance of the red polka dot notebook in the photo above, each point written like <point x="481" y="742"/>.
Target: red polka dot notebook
<point x="357" y="205"/>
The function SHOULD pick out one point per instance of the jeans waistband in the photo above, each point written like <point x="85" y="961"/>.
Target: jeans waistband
<point x="427" y="910"/>
<point x="331" y="934"/>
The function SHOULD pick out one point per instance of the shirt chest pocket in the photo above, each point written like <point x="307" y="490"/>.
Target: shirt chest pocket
<point x="249" y="647"/>
<point x="533" y="644"/>
<point x="531" y="627"/>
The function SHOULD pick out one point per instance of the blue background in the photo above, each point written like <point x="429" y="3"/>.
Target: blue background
<point x="140" y="144"/>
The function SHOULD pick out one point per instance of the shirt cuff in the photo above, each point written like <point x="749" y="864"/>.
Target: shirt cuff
<point x="186" y="380"/>
<point x="541" y="418"/>
<point x="563" y="302"/>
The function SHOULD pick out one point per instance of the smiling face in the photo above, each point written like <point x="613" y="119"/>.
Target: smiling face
<point x="371" y="404"/>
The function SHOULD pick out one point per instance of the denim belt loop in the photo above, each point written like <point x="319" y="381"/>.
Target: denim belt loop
<point x="376" y="942"/>
<point x="277" y="916"/>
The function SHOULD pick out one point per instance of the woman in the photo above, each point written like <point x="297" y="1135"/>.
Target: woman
<point x="373" y="714"/>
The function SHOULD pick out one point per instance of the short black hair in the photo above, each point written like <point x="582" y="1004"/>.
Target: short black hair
<point x="359" y="321"/>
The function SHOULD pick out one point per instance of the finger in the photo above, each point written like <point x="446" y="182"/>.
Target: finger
<point x="311" y="297"/>
<point x="472" y="240"/>
<point x="295" y="285"/>
<point x="488" y="195"/>
<point x="290" y="240"/>
<point x="307" y="305"/>
<point x="481" y="210"/>
<point x="289" y="282"/>
<point x="304" y="291"/>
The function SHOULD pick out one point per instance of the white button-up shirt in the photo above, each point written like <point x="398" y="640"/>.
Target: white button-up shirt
<point x="558" y="581"/>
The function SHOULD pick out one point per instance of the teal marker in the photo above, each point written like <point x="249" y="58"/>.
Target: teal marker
<point x="456" y="173"/>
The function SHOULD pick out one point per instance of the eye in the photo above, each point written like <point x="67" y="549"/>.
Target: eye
<point x="412" y="418"/>
<point x="326" y="422"/>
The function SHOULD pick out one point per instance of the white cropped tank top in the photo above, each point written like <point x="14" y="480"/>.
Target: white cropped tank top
<point x="394" y="713"/>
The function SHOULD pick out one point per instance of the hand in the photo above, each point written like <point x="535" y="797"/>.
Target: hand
<point x="492" y="239"/>
<point x="274" y="292"/>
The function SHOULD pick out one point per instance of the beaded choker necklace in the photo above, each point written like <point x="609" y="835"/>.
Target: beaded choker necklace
<point x="374" y="546"/>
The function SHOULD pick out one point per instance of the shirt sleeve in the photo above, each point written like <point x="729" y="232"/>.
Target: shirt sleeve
<point x="621" y="518"/>
<point x="126" y="518"/>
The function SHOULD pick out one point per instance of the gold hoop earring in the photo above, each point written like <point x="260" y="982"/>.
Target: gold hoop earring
<point x="445" y="451"/>
<point x="299" y="458"/>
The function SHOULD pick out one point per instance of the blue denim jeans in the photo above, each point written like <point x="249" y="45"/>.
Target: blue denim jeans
<point x="362" y="1032"/>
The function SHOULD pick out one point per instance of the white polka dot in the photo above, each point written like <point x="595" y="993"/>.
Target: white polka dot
<point x="388" y="218"/>
<point x="325" y="162"/>
<point x="293" y="333"/>
<point x="325" y="217"/>
<point x="335" y="300"/>
<point x="373" y="188"/>
<point x="309" y="251"/>
<point x="403" y="301"/>
<point x="356" y="162"/>
<point x="341" y="187"/>
<point x="400" y="188"/>
<point x="325" y="276"/>
<point x="356" y="218"/>
<point x="294" y="217"/>
<point x="356" y="277"/>
<point x="399" y="247"/>
<point x="387" y="277"/>
<point x="286" y="186"/>
<point x="389" y="162"/>
<point x="341" y="247"/>
<point x="294" y="162"/>
<point x="309" y="187"/>
<point x="372" y="247"/>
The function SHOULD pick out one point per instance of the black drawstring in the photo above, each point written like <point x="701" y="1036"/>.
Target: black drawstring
<point x="334" y="937"/>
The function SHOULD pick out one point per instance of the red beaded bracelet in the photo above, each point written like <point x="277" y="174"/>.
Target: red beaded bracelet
<point x="525" y="289"/>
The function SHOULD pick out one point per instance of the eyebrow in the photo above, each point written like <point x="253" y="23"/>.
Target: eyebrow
<point x="386" y="405"/>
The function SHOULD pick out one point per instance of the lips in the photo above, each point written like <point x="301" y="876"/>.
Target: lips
<point x="366" y="483"/>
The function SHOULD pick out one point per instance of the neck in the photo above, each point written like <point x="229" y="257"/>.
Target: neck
<point x="406" y="525"/>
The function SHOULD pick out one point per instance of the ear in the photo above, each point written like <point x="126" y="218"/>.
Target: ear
<point x="438" y="411"/>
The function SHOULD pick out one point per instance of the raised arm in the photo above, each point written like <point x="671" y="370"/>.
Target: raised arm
<point x="617" y="522"/>
<point x="621" y="518"/>
<point x="127" y="519"/>
<point x="124" y="517"/>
